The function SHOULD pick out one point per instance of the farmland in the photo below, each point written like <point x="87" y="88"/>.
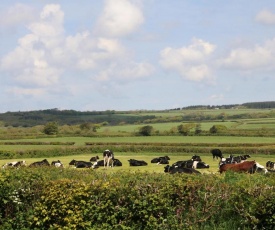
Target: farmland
<point x="142" y="196"/>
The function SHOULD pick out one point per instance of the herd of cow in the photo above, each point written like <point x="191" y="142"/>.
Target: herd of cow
<point x="190" y="166"/>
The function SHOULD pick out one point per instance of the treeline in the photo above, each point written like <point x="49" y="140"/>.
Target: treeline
<point x="111" y="117"/>
<point x="69" y="117"/>
<point x="249" y="105"/>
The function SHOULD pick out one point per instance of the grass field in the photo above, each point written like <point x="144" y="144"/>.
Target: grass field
<point x="148" y="156"/>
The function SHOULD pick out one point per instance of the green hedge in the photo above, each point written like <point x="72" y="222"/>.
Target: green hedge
<point x="90" y="199"/>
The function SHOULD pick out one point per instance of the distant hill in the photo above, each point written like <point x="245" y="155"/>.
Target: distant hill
<point x="72" y="117"/>
<point x="249" y="105"/>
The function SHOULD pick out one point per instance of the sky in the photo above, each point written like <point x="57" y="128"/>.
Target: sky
<point x="93" y="55"/>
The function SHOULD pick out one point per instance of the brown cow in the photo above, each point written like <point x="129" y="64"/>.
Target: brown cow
<point x="239" y="167"/>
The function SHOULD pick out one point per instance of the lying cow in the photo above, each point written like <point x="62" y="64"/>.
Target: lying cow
<point x="99" y="163"/>
<point x="81" y="164"/>
<point x="237" y="159"/>
<point x="245" y="166"/>
<point x="258" y="168"/>
<point x="57" y="164"/>
<point x="161" y="160"/>
<point x="14" y="164"/>
<point x="191" y="164"/>
<point x="94" y="158"/>
<point x="134" y="162"/>
<point x="196" y="158"/>
<point x="173" y="170"/>
<point x="40" y="163"/>
<point x="270" y="165"/>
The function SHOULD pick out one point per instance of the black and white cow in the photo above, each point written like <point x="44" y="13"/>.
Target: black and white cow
<point x="40" y="163"/>
<point x="258" y="168"/>
<point x="100" y="163"/>
<point x="235" y="159"/>
<point x="134" y="162"/>
<point x="191" y="164"/>
<point x="57" y="164"/>
<point x="217" y="153"/>
<point x="161" y="160"/>
<point x="81" y="164"/>
<point x="94" y="158"/>
<point x="173" y="170"/>
<point x="196" y="158"/>
<point x="270" y="165"/>
<point x="108" y="158"/>
<point x="14" y="164"/>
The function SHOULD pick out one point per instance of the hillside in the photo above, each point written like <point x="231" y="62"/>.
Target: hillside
<point x="190" y="113"/>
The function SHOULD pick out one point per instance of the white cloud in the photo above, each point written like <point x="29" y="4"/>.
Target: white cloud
<point x="120" y="18"/>
<point x="258" y="57"/>
<point x="266" y="17"/>
<point x="16" y="15"/>
<point x="43" y="55"/>
<point x="190" y="62"/>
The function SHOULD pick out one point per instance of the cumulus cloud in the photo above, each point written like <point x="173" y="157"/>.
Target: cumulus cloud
<point x="43" y="55"/>
<point x="257" y="57"/>
<point x="119" y="18"/>
<point x="266" y="17"/>
<point x="191" y="62"/>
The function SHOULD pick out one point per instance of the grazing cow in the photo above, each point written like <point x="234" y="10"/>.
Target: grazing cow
<point x="81" y="164"/>
<point x="57" y="164"/>
<point x="108" y="157"/>
<point x="173" y="170"/>
<point x="40" y="163"/>
<point x="15" y="164"/>
<point x="270" y="165"/>
<point x="94" y="158"/>
<point x="196" y="158"/>
<point x="134" y="162"/>
<point x="217" y="153"/>
<point x="161" y="160"/>
<point x="245" y="166"/>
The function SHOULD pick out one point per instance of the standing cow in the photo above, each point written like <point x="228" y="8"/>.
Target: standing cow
<point x="217" y="153"/>
<point x="108" y="158"/>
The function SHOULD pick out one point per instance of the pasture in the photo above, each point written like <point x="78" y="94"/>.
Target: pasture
<point x="147" y="157"/>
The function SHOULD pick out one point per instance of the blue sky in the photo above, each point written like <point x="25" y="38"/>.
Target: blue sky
<point x="135" y="54"/>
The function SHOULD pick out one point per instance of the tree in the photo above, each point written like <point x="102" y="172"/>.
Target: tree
<point x="51" y="128"/>
<point x="146" y="130"/>
<point x="218" y="129"/>
<point x="185" y="129"/>
<point x="198" y="128"/>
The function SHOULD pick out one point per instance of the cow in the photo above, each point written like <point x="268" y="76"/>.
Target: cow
<point x="173" y="170"/>
<point x="258" y="168"/>
<point x="217" y="153"/>
<point x="191" y="164"/>
<point x="57" y="164"/>
<point x="196" y="158"/>
<point x="270" y="165"/>
<point x="40" y="163"/>
<point x="81" y="164"/>
<point x="101" y="163"/>
<point x="161" y="160"/>
<point x="108" y="158"/>
<point x="245" y="166"/>
<point x="237" y="159"/>
<point x="14" y="164"/>
<point x="94" y="158"/>
<point x="134" y="162"/>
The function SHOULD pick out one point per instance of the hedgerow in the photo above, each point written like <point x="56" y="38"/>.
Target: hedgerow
<point x="88" y="199"/>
